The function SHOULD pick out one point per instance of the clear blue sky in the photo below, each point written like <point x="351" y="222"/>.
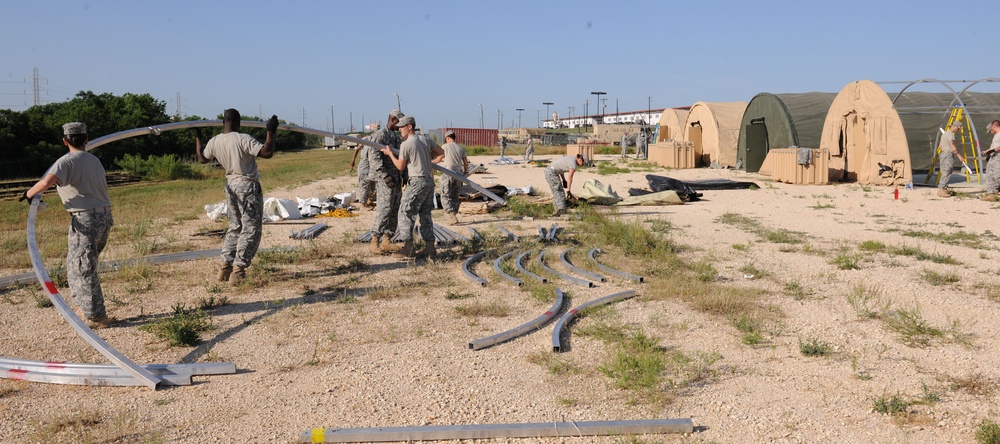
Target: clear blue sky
<point x="446" y="58"/>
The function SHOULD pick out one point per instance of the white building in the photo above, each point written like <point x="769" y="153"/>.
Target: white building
<point x="648" y="117"/>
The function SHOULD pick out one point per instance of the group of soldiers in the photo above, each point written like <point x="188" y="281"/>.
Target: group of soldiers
<point x="641" y="144"/>
<point x="949" y="151"/>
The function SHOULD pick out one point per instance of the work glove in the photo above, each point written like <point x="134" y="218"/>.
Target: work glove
<point x="272" y="124"/>
<point x="564" y="182"/>
<point x="197" y="133"/>
<point x="569" y="195"/>
<point x="24" y="197"/>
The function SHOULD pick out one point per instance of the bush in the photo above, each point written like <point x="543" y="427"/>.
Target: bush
<point x="168" y="167"/>
<point x="181" y="329"/>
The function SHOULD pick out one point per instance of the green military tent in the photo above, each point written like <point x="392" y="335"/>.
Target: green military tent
<point x="780" y="121"/>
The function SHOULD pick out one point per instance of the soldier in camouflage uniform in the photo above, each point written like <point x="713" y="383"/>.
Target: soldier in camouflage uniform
<point x="948" y="153"/>
<point x="388" y="184"/>
<point x="415" y="154"/>
<point x="453" y="158"/>
<point x="80" y="181"/>
<point x="993" y="163"/>
<point x="559" y="176"/>
<point x="365" y="186"/>
<point x="237" y="153"/>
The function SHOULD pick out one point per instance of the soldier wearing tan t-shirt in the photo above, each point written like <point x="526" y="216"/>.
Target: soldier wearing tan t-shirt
<point x="80" y="181"/>
<point x="238" y="153"/>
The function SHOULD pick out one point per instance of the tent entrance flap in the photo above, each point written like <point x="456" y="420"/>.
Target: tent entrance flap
<point x="757" y="145"/>
<point x="694" y="136"/>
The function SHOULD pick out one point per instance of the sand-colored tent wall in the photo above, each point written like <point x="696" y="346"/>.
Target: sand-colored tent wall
<point x="861" y="130"/>
<point x="790" y="120"/>
<point x="671" y="125"/>
<point x="720" y="131"/>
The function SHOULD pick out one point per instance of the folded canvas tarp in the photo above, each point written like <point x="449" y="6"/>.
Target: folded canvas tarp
<point x="669" y="197"/>
<point x="597" y="193"/>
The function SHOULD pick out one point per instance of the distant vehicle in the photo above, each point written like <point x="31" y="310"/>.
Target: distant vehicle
<point x="331" y="143"/>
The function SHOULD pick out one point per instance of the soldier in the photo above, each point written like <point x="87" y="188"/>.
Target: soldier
<point x="237" y="153"/>
<point x="455" y="159"/>
<point x="947" y="156"/>
<point x="624" y="143"/>
<point x="80" y="181"/>
<point x="993" y="164"/>
<point x="365" y="186"/>
<point x="529" y="150"/>
<point x="388" y="184"/>
<point x="640" y="145"/>
<point x="556" y="176"/>
<point x="415" y="154"/>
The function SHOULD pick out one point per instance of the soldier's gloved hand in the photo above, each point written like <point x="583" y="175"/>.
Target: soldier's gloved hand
<point x="569" y="195"/>
<point x="272" y="124"/>
<point x="564" y="182"/>
<point x="197" y="133"/>
<point x="24" y="197"/>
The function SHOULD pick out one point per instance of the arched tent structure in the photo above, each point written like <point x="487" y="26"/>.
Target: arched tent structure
<point x="780" y="121"/>
<point x="856" y="127"/>
<point x="861" y="130"/>
<point x="671" y="124"/>
<point x="713" y="129"/>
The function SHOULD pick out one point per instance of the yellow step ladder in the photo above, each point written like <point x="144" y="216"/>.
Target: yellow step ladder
<point x="964" y="141"/>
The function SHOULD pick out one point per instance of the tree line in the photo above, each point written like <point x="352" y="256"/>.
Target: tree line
<point x="30" y="141"/>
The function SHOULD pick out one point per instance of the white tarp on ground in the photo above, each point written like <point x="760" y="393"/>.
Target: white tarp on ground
<point x="275" y="209"/>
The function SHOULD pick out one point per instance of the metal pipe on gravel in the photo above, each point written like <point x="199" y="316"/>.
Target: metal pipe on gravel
<point x="565" y="277"/>
<point x="576" y="269"/>
<point x="520" y="267"/>
<point x="468" y="272"/>
<point x="623" y="274"/>
<point x="565" y="320"/>
<point x="522" y="329"/>
<point x="496" y="266"/>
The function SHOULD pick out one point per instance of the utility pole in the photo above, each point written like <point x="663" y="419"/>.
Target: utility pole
<point x="34" y="81"/>
<point x="519" y="116"/>
<point x="399" y="106"/>
<point x="481" y="116"/>
<point x="303" y="116"/>
<point x="177" y="113"/>
<point x="333" y="126"/>
<point x="598" y="94"/>
<point x="547" y="115"/>
<point x="618" y="113"/>
<point x="351" y="116"/>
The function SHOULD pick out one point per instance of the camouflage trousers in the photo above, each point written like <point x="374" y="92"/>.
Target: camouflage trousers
<point x="417" y="202"/>
<point x="529" y="153"/>
<point x="365" y="187"/>
<point x="450" y="187"/>
<point x="88" y="234"/>
<point x="558" y="192"/>
<point x="245" y="201"/>
<point x="641" y="150"/>
<point x="993" y="175"/>
<point x="947" y="166"/>
<point x="386" y="208"/>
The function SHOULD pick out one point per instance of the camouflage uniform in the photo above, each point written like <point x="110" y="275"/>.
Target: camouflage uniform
<point x="947" y="159"/>
<point x="529" y="150"/>
<point x="388" y="182"/>
<point x="553" y="175"/>
<point x="365" y="186"/>
<point x="450" y="187"/>
<point x="417" y="201"/>
<point x="641" y="145"/>
<point x="993" y="168"/>
<point x="245" y="202"/>
<point x="88" y="234"/>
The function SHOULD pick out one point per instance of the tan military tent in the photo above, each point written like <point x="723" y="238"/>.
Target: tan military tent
<point x="862" y="130"/>
<point x="714" y="130"/>
<point x="671" y="125"/>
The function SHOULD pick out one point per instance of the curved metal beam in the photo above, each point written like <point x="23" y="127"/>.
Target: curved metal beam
<point x="578" y="270"/>
<point x="156" y="130"/>
<point x="607" y="269"/>
<point x="143" y="376"/>
<point x="565" y="320"/>
<point x="565" y="277"/>
<point x="496" y="266"/>
<point x="468" y="272"/>
<point x="194" y="369"/>
<point x="520" y="267"/>
<point x="522" y="329"/>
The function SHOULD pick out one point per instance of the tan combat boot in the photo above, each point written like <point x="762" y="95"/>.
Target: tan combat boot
<point x="943" y="192"/>
<point x="100" y="322"/>
<point x="224" y="272"/>
<point x="429" y="251"/>
<point x="237" y="276"/>
<point x="406" y="251"/>
<point x="374" y="247"/>
<point x="453" y="219"/>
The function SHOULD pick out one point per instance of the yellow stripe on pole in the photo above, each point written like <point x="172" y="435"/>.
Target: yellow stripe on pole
<point x="318" y="435"/>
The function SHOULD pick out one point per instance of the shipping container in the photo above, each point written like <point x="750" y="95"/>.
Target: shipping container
<point x="473" y="136"/>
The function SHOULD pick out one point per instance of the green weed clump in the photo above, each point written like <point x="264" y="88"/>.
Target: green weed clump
<point x="893" y="405"/>
<point x="183" y="328"/>
<point x="520" y="206"/>
<point x="750" y="225"/>
<point x="814" y="347"/>
<point x="168" y="167"/>
<point x="988" y="432"/>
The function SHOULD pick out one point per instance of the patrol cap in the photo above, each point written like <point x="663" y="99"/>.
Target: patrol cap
<point x="397" y="114"/>
<point x="74" y="128"/>
<point x="957" y="123"/>
<point x="449" y="133"/>
<point x="406" y="120"/>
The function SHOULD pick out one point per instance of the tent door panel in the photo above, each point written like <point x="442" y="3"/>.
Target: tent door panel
<point x="696" y="140"/>
<point x="757" y="145"/>
<point x="856" y="153"/>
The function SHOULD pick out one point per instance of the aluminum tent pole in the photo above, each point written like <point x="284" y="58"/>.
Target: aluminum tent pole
<point x="566" y="319"/>
<point x="522" y="329"/>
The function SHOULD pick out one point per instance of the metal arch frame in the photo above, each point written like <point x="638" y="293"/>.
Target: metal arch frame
<point x="468" y="273"/>
<point x="958" y="99"/>
<point x="156" y="130"/>
<point x="141" y="375"/>
<point x="522" y="329"/>
<point x="103" y="374"/>
<point x="579" y="270"/>
<point x="518" y="262"/>
<point x="510" y="235"/>
<point x="623" y="274"/>
<point x="496" y="266"/>
<point x="565" y="277"/>
<point x="565" y="320"/>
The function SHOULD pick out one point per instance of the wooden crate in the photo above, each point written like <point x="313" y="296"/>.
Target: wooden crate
<point x="672" y="154"/>
<point x="585" y="149"/>
<point x="784" y="166"/>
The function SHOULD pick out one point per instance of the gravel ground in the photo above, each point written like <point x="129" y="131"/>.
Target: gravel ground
<point x="329" y="344"/>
